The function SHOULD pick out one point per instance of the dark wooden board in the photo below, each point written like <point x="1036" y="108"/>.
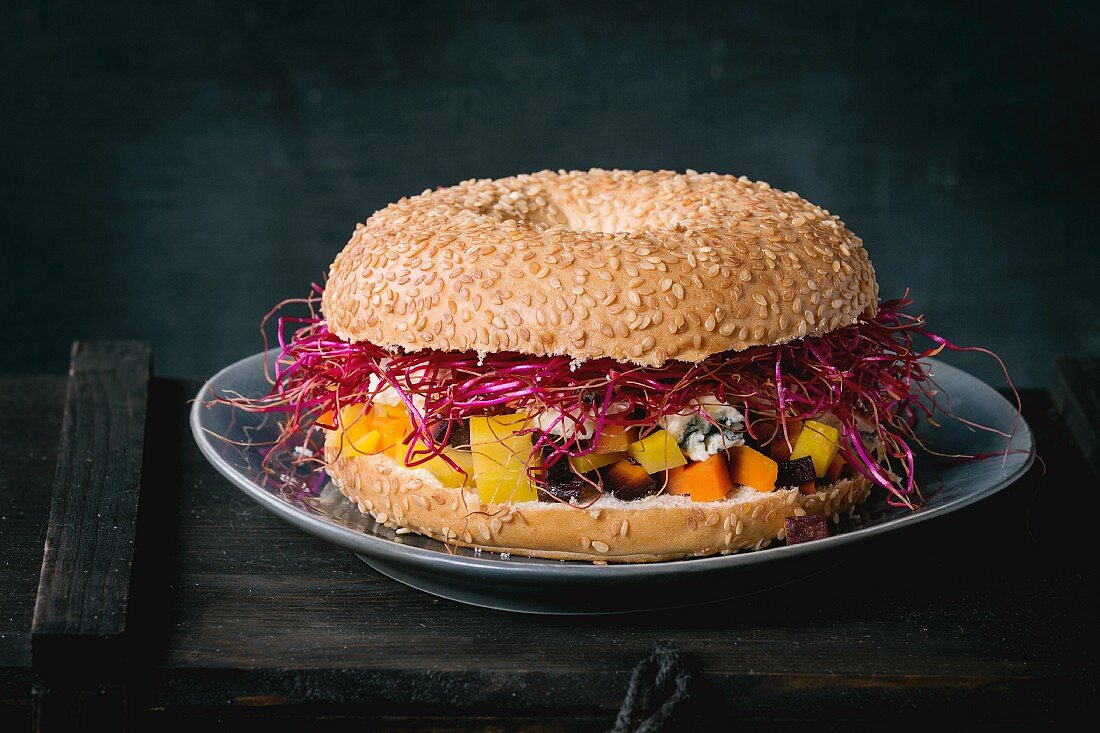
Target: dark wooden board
<point x="83" y="590"/>
<point x="244" y="621"/>
<point x="973" y="613"/>
<point x="30" y="420"/>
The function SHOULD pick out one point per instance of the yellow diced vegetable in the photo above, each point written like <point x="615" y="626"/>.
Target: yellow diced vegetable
<point x="393" y="430"/>
<point x="442" y="470"/>
<point x="447" y="475"/>
<point x="380" y="410"/>
<point x="362" y="441"/>
<point x="350" y="414"/>
<point x="818" y="441"/>
<point x="495" y="445"/>
<point x="501" y="458"/>
<point x="592" y="461"/>
<point x="657" y="452"/>
<point x="354" y="427"/>
<point x="358" y="432"/>
<point x="505" y="486"/>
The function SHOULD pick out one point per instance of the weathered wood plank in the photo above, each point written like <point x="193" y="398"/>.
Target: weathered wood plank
<point x="84" y="584"/>
<point x="265" y="615"/>
<point x="240" y="615"/>
<point x="30" y="419"/>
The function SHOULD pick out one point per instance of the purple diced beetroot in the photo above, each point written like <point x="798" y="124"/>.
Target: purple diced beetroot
<point x="804" y="529"/>
<point x="796" y="472"/>
<point x="562" y="484"/>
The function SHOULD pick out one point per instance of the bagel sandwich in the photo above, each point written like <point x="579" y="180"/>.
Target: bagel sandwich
<point x="609" y="366"/>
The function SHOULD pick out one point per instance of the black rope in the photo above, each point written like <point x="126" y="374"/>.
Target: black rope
<point x="657" y="691"/>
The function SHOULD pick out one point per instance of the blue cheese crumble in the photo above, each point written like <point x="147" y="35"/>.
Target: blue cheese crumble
<point x="569" y="426"/>
<point x="710" y="426"/>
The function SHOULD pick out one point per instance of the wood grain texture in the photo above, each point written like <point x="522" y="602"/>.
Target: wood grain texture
<point x="30" y="420"/>
<point x="83" y="589"/>
<point x="962" y="614"/>
<point x="248" y="623"/>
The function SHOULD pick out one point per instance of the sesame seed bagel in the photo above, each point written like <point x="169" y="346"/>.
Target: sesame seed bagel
<point x="640" y="267"/>
<point x="647" y="530"/>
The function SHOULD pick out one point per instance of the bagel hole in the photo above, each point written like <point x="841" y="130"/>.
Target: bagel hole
<point x="543" y="208"/>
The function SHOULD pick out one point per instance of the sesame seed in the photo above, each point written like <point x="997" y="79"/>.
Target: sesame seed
<point x="456" y="250"/>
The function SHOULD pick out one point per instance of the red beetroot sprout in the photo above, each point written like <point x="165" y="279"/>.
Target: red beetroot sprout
<point x="868" y="374"/>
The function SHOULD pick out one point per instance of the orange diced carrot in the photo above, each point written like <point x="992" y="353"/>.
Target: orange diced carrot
<point x="674" y="481"/>
<point x="835" y="469"/>
<point x="354" y="425"/>
<point x="624" y="479"/>
<point x="752" y="468"/>
<point x="615" y="439"/>
<point x="393" y="430"/>
<point x="779" y="449"/>
<point x="707" y="480"/>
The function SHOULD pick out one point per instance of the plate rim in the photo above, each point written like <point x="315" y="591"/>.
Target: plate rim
<point x="411" y="555"/>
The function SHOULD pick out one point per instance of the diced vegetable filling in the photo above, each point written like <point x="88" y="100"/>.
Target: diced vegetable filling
<point x="702" y="453"/>
<point x="870" y="381"/>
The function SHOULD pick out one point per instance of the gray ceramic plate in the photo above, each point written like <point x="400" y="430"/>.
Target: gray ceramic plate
<point x="230" y="438"/>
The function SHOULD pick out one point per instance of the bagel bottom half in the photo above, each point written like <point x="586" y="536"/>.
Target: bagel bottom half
<point x="646" y="530"/>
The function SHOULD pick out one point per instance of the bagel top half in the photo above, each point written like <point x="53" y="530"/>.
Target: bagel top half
<point x="635" y="266"/>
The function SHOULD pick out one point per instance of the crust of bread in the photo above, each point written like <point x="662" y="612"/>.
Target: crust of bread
<point x="636" y="266"/>
<point x="648" y="530"/>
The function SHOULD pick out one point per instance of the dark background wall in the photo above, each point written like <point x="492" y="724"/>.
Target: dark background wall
<point x="169" y="172"/>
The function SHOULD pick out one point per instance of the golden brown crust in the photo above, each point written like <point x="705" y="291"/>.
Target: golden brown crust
<point x="648" y="530"/>
<point x="636" y="266"/>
